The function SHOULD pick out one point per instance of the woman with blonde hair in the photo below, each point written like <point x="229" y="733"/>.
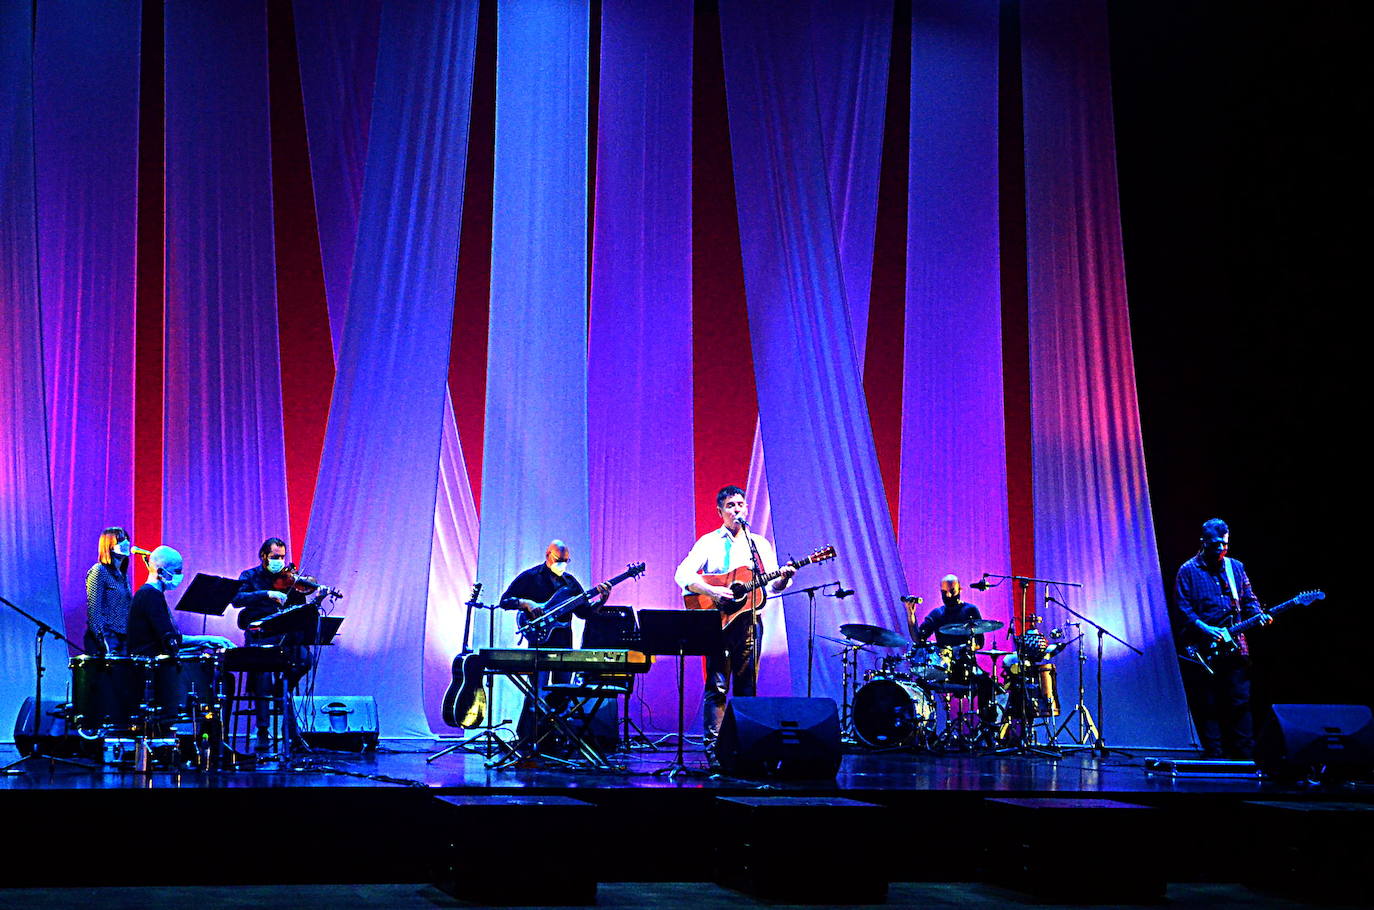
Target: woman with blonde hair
<point x="108" y="594"/>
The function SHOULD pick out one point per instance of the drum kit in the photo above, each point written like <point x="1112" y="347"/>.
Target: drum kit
<point x="937" y="698"/>
<point x="166" y="709"/>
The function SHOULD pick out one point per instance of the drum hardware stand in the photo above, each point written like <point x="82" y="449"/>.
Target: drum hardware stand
<point x="1099" y="744"/>
<point x="18" y="766"/>
<point x="1086" y="725"/>
<point x="849" y="675"/>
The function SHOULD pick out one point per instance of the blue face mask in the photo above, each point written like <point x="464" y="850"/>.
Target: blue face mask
<point x="275" y="565"/>
<point x="560" y="567"/>
<point x="170" y="580"/>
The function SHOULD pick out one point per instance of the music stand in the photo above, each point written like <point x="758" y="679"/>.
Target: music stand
<point x="680" y="633"/>
<point x="208" y="595"/>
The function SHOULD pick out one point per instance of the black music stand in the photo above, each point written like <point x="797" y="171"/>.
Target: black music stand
<point x="680" y="633"/>
<point x="208" y="595"/>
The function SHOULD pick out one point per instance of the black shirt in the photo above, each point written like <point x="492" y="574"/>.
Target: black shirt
<point x="253" y="601"/>
<point x="943" y="615"/>
<point x="538" y="583"/>
<point x="151" y="630"/>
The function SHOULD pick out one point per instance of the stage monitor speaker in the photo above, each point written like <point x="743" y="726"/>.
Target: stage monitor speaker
<point x="53" y="736"/>
<point x="339" y="723"/>
<point x="1302" y="737"/>
<point x="795" y="738"/>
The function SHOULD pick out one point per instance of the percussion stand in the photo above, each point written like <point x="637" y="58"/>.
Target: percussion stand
<point x="18" y="766"/>
<point x="1080" y="712"/>
<point x="1099" y="744"/>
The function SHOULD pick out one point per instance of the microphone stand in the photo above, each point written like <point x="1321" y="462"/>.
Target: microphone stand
<point x="810" y="622"/>
<point x="753" y="636"/>
<point x="17" y="766"/>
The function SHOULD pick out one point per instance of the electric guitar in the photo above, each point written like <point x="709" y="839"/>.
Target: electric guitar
<point x="538" y="624"/>
<point x="465" y="700"/>
<point x="747" y="588"/>
<point x="1213" y="649"/>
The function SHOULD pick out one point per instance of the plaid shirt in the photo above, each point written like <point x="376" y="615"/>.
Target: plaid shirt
<point x="1202" y="594"/>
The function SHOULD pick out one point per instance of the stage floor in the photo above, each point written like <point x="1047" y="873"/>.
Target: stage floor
<point x="403" y="763"/>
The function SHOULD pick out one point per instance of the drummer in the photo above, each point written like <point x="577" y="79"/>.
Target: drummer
<point x="951" y="610"/>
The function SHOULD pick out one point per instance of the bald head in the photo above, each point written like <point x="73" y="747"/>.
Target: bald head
<point x="557" y="555"/>
<point x="950" y="589"/>
<point x="164" y="567"/>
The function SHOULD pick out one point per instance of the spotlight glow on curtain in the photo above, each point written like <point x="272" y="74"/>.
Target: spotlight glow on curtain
<point x="954" y="459"/>
<point x="224" y="475"/>
<point x="534" y="476"/>
<point x="372" y="522"/>
<point x="823" y="475"/>
<point x="639" y="397"/>
<point x="86" y="141"/>
<point x="1092" y="503"/>
<point x="28" y="572"/>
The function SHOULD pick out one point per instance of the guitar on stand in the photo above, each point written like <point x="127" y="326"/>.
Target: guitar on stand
<point x="466" y="701"/>
<point x="747" y="587"/>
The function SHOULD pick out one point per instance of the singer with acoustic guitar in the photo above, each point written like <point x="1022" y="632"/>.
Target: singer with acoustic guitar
<point x="725" y="549"/>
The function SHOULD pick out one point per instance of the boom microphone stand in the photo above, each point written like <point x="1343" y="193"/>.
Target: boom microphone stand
<point x="17" y="766"/>
<point x="810" y="622"/>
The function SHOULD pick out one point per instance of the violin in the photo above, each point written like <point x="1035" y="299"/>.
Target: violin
<point x="290" y="579"/>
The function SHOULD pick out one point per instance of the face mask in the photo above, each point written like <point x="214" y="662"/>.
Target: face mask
<point x="560" y="567"/>
<point x="169" y="580"/>
<point x="122" y="548"/>
<point x="275" y="565"/>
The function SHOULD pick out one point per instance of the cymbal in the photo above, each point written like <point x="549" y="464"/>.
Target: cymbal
<point x="873" y="635"/>
<point x="972" y="627"/>
<point x="848" y="643"/>
<point x="993" y="652"/>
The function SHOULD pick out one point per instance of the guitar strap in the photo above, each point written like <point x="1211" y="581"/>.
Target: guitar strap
<point x="1235" y="603"/>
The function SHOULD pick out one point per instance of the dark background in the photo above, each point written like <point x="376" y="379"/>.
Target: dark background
<point x="1243" y="194"/>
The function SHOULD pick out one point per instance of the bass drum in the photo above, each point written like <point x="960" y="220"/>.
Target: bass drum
<point x="890" y="712"/>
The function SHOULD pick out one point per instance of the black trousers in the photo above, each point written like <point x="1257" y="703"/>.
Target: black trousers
<point x="730" y="670"/>
<point x="1220" y="705"/>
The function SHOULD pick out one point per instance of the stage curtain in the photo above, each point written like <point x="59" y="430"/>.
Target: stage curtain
<point x="534" y="477"/>
<point x="824" y="485"/>
<point x="224" y="475"/>
<point x="953" y="503"/>
<point x="86" y="141"/>
<point x="1092" y="504"/>
<point x="372" y="521"/>
<point x="28" y="567"/>
<point x="336" y="41"/>
<point x="639" y="399"/>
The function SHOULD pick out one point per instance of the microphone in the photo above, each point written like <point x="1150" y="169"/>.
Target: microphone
<point x="139" y="550"/>
<point x="739" y="520"/>
<point x="913" y="599"/>
<point x="842" y="593"/>
<point x="981" y="584"/>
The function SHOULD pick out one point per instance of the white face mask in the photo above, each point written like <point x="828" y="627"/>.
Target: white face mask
<point x="122" y="548"/>
<point x="170" y="581"/>
<point x="559" y="567"/>
<point x="275" y="565"/>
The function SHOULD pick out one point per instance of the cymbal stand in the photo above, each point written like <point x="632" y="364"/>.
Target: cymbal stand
<point x="1099" y="743"/>
<point x="1086" y="725"/>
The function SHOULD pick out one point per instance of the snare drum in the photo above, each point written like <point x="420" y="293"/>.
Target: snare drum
<point x="178" y="681"/>
<point x="106" y="691"/>
<point x="890" y="712"/>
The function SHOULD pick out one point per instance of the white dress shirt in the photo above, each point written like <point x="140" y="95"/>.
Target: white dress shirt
<point x="708" y="557"/>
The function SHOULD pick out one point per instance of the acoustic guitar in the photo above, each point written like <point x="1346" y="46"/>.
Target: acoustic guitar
<point x="746" y="587"/>
<point x="465" y="699"/>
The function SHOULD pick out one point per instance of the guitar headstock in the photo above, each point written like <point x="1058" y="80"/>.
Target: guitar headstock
<point x="634" y="570"/>
<point x="820" y="555"/>
<point x="1306" y="597"/>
